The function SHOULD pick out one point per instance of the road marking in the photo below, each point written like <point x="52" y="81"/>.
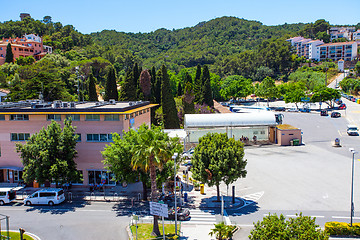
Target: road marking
<point x="340" y="217"/>
<point x="340" y="133"/>
<point x="254" y="196"/>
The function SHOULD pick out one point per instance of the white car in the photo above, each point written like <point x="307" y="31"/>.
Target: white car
<point x="292" y="110"/>
<point x="7" y="195"/>
<point x="352" y="130"/>
<point x="47" y="196"/>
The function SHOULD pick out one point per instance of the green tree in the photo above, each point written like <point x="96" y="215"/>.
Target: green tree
<point x="206" y="93"/>
<point x="222" y="231"/>
<point x="293" y="92"/>
<point x="198" y="85"/>
<point x="49" y="154"/>
<point x="25" y="60"/>
<point x="171" y="120"/>
<point x="9" y="58"/>
<point x="148" y="150"/>
<point x="157" y="90"/>
<point x="136" y="75"/>
<point x="153" y="84"/>
<point x="267" y="89"/>
<point x="277" y="227"/>
<point x="325" y="94"/>
<point x="179" y="91"/>
<point x="236" y="86"/>
<point x="218" y="159"/>
<point x="188" y="99"/>
<point x="128" y="90"/>
<point x="111" y="91"/>
<point x="357" y="68"/>
<point x="92" y="88"/>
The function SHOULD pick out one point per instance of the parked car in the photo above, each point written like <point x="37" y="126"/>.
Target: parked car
<point x="47" y="196"/>
<point x="292" y="110"/>
<point x="7" y="195"/>
<point x="335" y="114"/>
<point x="324" y="113"/>
<point x="280" y="109"/>
<point x="182" y="213"/>
<point x="352" y="130"/>
<point x="304" y="109"/>
<point x="342" y="106"/>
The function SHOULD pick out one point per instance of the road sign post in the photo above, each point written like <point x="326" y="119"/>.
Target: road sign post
<point x="159" y="209"/>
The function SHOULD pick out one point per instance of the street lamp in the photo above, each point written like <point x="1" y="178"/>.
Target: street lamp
<point x="174" y="157"/>
<point x="352" y="150"/>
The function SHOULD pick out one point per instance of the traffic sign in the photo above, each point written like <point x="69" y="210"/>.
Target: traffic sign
<point x="159" y="209"/>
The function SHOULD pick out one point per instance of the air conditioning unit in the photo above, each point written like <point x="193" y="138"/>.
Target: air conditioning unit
<point x="65" y="105"/>
<point x="72" y="105"/>
<point x="112" y="101"/>
<point x="131" y="103"/>
<point x="97" y="103"/>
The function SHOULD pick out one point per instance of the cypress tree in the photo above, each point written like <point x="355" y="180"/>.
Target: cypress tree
<point x="206" y="96"/>
<point x="153" y="84"/>
<point x="188" y="79"/>
<point x="145" y="85"/>
<point x="179" y="90"/>
<point x="188" y="99"/>
<point x="136" y="76"/>
<point x="197" y="85"/>
<point x="171" y="120"/>
<point x="128" y="90"/>
<point x="157" y="90"/>
<point x="110" y="85"/>
<point x="92" y="88"/>
<point x="9" y="54"/>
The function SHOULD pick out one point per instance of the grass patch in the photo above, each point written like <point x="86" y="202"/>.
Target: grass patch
<point x="14" y="236"/>
<point x="145" y="229"/>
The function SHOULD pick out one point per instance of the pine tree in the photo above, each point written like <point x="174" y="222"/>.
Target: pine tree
<point x="188" y="99"/>
<point x="197" y="85"/>
<point x="128" y="90"/>
<point x="179" y="90"/>
<point x="206" y="95"/>
<point x="145" y="84"/>
<point x="171" y="120"/>
<point x="9" y="54"/>
<point x="92" y="88"/>
<point x="110" y="85"/>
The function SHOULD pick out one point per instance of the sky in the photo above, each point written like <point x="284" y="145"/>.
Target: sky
<point x="146" y="16"/>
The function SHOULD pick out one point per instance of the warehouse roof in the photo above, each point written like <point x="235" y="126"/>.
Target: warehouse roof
<point x="260" y="118"/>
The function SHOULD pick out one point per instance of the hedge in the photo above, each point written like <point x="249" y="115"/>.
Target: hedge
<point x="342" y="229"/>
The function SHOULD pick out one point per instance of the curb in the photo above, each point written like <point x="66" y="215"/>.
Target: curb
<point x="28" y="233"/>
<point x="129" y="232"/>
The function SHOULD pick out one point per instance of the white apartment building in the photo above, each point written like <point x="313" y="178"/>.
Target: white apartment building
<point x="336" y="51"/>
<point x="356" y="35"/>
<point x="305" y="47"/>
<point x="341" y="32"/>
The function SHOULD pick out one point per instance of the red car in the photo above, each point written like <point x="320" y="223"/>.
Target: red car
<point x="342" y="106"/>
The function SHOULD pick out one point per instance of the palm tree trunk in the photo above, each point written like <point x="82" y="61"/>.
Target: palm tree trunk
<point x="155" y="231"/>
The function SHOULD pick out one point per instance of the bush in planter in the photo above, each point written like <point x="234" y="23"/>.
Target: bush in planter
<point x="197" y="186"/>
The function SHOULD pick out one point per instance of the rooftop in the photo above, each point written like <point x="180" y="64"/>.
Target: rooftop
<point x="286" y="127"/>
<point x="336" y="44"/>
<point x="57" y="107"/>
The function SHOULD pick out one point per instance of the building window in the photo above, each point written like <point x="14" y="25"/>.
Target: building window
<point x="78" y="139"/>
<point x="19" y="117"/>
<point x="74" y="117"/>
<point x="112" y="117"/>
<point x="92" y="117"/>
<point x="127" y="116"/>
<point x="20" y="136"/>
<point x="101" y="177"/>
<point x="102" y="137"/>
<point x="56" y="117"/>
<point x="2" y="117"/>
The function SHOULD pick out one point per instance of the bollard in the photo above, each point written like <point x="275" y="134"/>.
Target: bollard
<point x="115" y="195"/>
<point x="202" y="189"/>
<point x="233" y="194"/>
<point x="139" y="197"/>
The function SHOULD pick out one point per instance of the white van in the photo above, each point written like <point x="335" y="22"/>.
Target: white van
<point x="7" y="195"/>
<point x="47" y="196"/>
<point x="352" y="130"/>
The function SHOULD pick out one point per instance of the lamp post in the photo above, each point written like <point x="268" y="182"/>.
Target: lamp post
<point x="352" y="150"/>
<point x="174" y="157"/>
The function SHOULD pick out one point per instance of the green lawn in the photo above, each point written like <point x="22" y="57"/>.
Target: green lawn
<point x="145" y="229"/>
<point x="14" y="236"/>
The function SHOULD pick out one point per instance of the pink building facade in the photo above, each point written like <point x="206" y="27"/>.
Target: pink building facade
<point x="29" y="45"/>
<point x="94" y="122"/>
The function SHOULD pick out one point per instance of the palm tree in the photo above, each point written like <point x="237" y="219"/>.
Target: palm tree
<point x="222" y="231"/>
<point x="152" y="149"/>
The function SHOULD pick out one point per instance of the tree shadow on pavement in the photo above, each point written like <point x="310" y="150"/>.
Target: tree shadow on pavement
<point x="248" y="208"/>
<point x="129" y="207"/>
<point x="62" y="208"/>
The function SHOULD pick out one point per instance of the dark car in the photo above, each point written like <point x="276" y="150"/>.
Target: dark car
<point x="335" y="114"/>
<point x="304" y="110"/>
<point x="182" y="213"/>
<point x="324" y="113"/>
<point x="280" y="109"/>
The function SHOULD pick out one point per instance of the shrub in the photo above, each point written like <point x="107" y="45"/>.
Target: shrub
<point x="342" y="229"/>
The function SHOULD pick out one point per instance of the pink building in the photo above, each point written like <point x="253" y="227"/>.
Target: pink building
<point x="95" y="122"/>
<point x="29" y="45"/>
